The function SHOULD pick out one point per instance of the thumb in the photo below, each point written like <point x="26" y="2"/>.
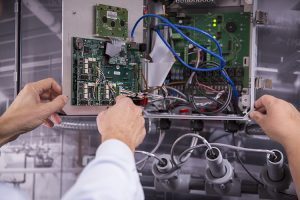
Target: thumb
<point x="57" y="104"/>
<point x="258" y="117"/>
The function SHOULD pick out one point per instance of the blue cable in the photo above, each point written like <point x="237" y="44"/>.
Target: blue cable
<point x="180" y="59"/>
<point x="180" y="33"/>
<point x="223" y="62"/>
<point x="234" y="90"/>
<point x="177" y="29"/>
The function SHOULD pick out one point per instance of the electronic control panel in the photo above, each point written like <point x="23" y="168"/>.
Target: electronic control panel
<point x="181" y="61"/>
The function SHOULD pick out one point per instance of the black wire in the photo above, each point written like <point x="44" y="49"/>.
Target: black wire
<point x="251" y="175"/>
<point x="293" y="196"/>
<point x="243" y="165"/>
<point x="221" y="109"/>
<point x="191" y="96"/>
<point x="219" y="137"/>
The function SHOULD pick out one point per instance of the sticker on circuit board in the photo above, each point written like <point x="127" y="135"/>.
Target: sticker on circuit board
<point x="111" y="15"/>
<point x="117" y="73"/>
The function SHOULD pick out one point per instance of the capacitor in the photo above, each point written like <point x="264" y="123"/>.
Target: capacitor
<point x="107" y="92"/>
<point x="86" y="68"/>
<point x="85" y="91"/>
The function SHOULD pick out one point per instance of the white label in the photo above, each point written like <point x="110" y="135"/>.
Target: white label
<point x="112" y="15"/>
<point x="117" y="73"/>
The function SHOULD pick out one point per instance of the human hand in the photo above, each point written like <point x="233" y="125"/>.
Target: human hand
<point x="279" y="119"/>
<point x="38" y="103"/>
<point x="124" y="122"/>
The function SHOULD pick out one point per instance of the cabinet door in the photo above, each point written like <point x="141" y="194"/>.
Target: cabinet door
<point x="279" y="49"/>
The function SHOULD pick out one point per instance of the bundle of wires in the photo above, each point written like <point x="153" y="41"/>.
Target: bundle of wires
<point x="220" y="105"/>
<point x="178" y="29"/>
<point x="182" y="157"/>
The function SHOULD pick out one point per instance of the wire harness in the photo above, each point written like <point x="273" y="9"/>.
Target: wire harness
<point x="177" y="28"/>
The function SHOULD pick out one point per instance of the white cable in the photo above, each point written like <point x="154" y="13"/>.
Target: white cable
<point x="227" y="146"/>
<point x="206" y="143"/>
<point x="178" y="92"/>
<point x="150" y="154"/>
<point x="159" y="142"/>
<point x="244" y="149"/>
<point x="171" y="98"/>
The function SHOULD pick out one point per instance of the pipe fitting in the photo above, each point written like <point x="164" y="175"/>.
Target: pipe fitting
<point x="276" y="175"/>
<point x="219" y="171"/>
<point x="275" y="167"/>
<point x="164" y="170"/>
<point x="215" y="162"/>
<point x="167" y="177"/>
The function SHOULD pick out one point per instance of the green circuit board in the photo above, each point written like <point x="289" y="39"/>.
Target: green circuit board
<point x="232" y="30"/>
<point x="97" y="77"/>
<point x="111" y="21"/>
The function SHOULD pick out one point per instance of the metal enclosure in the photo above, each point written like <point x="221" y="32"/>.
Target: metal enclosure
<point x="73" y="143"/>
<point x="78" y="21"/>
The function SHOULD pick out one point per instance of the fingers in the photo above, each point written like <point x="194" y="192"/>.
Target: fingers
<point x="56" y="105"/>
<point x="129" y="104"/>
<point x="120" y="97"/>
<point x="55" y="118"/>
<point x="258" y="117"/>
<point x="48" y="95"/>
<point x="264" y="102"/>
<point x="138" y="110"/>
<point x="141" y="130"/>
<point x="99" y="119"/>
<point x="45" y="85"/>
<point x="142" y="136"/>
<point x="124" y="99"/>
<point x="48" y="123"/>
<point x="261" y="110"/>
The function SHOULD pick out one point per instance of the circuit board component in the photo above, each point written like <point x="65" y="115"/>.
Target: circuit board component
<point x="232" y="31"/>
<point x="98" y="77"/>
<point x="111" y="21"/>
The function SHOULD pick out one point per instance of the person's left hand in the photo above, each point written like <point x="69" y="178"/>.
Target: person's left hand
<point x="38" y="103"/>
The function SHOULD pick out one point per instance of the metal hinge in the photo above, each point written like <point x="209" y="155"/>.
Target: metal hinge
<point x="261" y="17"/>
<point x="261" y="83"/>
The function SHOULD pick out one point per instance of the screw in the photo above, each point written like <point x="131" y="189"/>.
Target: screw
<point x="222" y="186"/>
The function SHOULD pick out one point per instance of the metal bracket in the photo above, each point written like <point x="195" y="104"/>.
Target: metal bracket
<point x="261" y="83"/>
<point x="261" y="17"/>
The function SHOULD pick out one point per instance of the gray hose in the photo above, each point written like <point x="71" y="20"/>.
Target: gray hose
<point x="77" y="125"/>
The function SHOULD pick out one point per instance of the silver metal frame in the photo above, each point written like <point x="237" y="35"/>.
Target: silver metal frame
<point x="253" y="64"/>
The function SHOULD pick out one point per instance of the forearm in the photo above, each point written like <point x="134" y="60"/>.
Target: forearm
<point x="6" y="130"/>
<point x="293" y="154"/>
<point x="14" y="124"/>
<point x="111" y="175"/>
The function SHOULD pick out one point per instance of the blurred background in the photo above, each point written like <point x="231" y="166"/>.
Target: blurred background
<point x="46" y="162"/>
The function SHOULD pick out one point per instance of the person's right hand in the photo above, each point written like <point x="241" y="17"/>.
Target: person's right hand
<point x="123" y="121"/>
<point x="279" y="119"/>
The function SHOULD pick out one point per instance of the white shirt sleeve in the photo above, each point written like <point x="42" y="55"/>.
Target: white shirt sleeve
<point x="112" y="175"/>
